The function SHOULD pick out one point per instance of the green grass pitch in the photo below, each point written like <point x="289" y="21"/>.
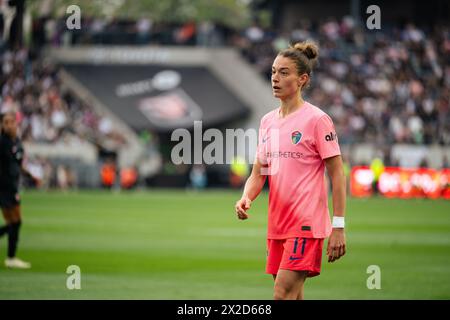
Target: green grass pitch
<point x="186" y="245"/>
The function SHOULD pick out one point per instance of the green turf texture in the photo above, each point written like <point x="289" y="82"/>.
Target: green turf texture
<point x="167" y="244"/>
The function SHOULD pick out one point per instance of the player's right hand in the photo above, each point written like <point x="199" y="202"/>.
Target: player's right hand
<point x="241" y="208"/>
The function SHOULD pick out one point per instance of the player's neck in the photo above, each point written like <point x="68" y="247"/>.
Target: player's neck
<point x="291" y="105"/>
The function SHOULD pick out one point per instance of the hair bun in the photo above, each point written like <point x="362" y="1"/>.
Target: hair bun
<point x="309" y="48"/>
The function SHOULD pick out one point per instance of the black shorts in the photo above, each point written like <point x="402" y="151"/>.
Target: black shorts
<point x="9" y="199"/>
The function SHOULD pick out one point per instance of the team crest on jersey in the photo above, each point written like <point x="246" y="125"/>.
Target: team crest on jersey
<point x="296" y="137"/>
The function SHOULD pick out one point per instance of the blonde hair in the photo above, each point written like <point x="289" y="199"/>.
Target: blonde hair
<point x="304" y="54"/>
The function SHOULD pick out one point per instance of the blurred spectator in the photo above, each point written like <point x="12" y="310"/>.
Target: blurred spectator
<point x="65" y="177"/>
<point x="128" y="178"/>
<point x="143" y="28"/>
<point x="208" y="35"/>
<point x="185" y="34"/>
<point x="198" y="177"/>
<point x="239" y="171"/>
<point x="108" y="174"/>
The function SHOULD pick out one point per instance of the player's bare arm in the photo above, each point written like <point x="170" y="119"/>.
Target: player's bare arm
<point x="252" y="189"/>
<point x="336" y="242"/>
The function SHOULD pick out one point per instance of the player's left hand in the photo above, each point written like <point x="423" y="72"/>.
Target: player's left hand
<point x="336" y="244"/>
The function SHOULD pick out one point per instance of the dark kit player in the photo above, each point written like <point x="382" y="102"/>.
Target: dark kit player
<point x="11" y="156"/>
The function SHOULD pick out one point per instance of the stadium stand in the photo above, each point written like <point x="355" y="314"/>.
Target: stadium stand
<point x="387" y="91"/>
<point x="395" y="79"/>
<point x="54" y="122"/>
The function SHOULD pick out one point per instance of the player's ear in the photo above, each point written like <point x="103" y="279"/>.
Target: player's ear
<point x="302" y="80"/>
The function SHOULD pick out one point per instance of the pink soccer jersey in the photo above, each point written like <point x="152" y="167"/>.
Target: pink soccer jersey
<point x="294" y="149"/>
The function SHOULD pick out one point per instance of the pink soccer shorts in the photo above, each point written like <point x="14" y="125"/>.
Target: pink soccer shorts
<point x="297" y="254"/>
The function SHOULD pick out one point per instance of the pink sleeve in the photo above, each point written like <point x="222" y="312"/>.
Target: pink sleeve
<point x="326" y="138"/>
<point x="261" y="150"/>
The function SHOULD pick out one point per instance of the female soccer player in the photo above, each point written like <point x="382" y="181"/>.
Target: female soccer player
<point x="297" y="141"/>
<point x="11" y="156"/>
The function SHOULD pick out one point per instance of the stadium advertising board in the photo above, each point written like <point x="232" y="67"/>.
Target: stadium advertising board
<point x="401" y="183"/>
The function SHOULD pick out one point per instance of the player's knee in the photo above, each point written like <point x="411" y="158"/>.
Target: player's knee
<point x="7" y="215"/>
<point x="17" y="217"/>
<point x="281" y="293"/>
<point x="278" y="295"/>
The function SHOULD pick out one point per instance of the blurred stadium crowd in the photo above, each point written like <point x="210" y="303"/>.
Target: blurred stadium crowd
<point x="388" y="86"/>
<point x="384" y="87"/>
<point x="49" y="113"/>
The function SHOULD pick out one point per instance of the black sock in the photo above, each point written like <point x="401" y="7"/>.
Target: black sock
<point x="4" y="230"/>
<point x="13" y="238"/>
